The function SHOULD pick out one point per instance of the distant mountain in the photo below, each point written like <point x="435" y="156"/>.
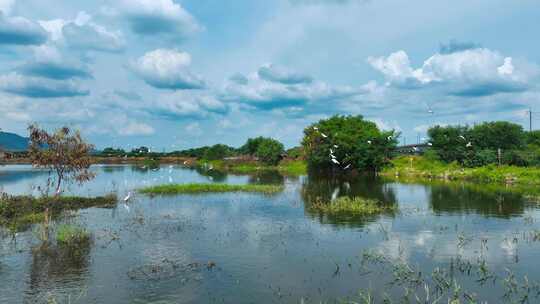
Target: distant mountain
<point x="13" y="142"/>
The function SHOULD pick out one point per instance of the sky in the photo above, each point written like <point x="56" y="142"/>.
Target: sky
<point x="175" y="74"/>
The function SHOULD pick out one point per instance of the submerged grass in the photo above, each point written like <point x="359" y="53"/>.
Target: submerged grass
<point x="18" y="211"/>
<point x="69" y="235"/>
<point x="210" y="188"/>
<point x="424" y="168"/>
<point x="356" y="205"/>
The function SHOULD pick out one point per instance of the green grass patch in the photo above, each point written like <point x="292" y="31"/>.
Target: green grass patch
<point x="421" y="167"/>
<point x="210" y="188"/>
<point x="23" y="210"/>
<point x="69" y="235"/>
<point x="289" y="167"/>
<point x="356" y="206"/>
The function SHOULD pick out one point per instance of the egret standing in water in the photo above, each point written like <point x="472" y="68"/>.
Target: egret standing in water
<point x="128" y="197"/>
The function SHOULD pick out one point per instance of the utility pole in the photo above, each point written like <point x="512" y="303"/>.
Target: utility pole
<point x="530" y="120"/>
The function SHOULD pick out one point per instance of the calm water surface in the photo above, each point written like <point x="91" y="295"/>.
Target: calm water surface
<point x="252" y="248"/>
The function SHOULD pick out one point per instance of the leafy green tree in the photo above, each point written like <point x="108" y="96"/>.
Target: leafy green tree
<point x="251" y="146"/>
<point x="533" y="138"/>
<point x="498" y="135"/>
<point x="217" y="152"/>
<point x="347" y="142"/>
<point x="450" y="142"/>
<point x="269" y="151"/>
<point x="296" y="152"/>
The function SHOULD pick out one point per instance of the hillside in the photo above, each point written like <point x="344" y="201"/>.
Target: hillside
<point x="12" y="142"/>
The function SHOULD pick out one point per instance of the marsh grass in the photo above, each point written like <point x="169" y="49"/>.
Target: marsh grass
<point x="356" y="205"/>
<point x="69" y="235"/>
<point x="209" y="188"/>
<point x="425" y="168"/>
<point x="289" y="167"/>
<point x="17" y="212"/>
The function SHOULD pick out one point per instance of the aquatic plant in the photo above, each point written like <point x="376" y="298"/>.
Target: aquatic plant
<point x="19" y="211"/>
<point x="356" y="205"/>
<point x="69" y="235"/>
<point x="210" y="188"/>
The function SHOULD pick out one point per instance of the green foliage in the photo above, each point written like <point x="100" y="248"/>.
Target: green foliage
<point x="210" y="188"/>
<point x="479" y="145"/>
<point x="497" y="135"/>
<point x="151" y="163"/>
<point x="269" y="151"/>
<point x="449" y="142"/>
<point x="14" y="206"/>
<point x="295" y="153"/>
<point x="533" y="138"/>
<point x="217" y="152"/>
<point x="252" y="145"/>
<point x="356" y="205"/>
<point x="112" y="152"/>
<point x="68" y="235"/>
<point x="481" y="158"/>
<point x="421" y="167"/>
<point x="359" y="142"/>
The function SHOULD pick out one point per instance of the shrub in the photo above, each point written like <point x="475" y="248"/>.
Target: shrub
<point x="69" y="235"/>
<point x="217" y="152"/>
<point x="270" y="151"/>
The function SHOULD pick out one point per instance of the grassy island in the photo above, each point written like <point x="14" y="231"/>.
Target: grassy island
<point x="209" y="188"/>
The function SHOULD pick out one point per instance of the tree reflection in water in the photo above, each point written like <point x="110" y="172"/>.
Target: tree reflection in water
<point x="320" y="187"/>
<point x="52" y="264"/>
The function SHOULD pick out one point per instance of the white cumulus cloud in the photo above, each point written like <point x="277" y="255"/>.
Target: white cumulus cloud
<point x="167" y="69"/>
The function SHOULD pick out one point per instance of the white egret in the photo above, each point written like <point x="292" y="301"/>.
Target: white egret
<point x="336" y="146"/>
<point x="462" y="137"/>
<point x="335" y="194"/>
<point x="469" y="144"/>
<point x="128" y="197"/>
<point x="429" y="144"/>
<point x="347" y="167"/>
<point x="335" y="161"/>
<point x="369" y="142"/>
<point x="324" y="135"/>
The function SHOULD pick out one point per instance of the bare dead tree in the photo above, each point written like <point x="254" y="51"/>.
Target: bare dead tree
<point x="63" y="152"/>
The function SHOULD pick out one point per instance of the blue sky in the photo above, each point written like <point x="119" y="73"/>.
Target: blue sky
<point x="178" y="74"/>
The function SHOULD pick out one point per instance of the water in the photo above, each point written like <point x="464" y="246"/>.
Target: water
<point x="252" y="248"/>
